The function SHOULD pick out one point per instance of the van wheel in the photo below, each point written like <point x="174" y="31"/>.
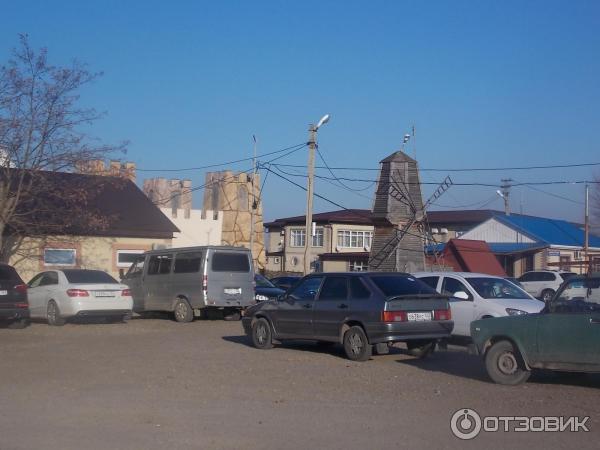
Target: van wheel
<point x="53" y="315"/>
<point x="262" y="336"/>
<point x="356" y="344"/>
<point x="183" y="311"/>
<point x="504" y="365"/>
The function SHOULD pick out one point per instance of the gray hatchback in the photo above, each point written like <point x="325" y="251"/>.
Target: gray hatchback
<point x="356" y="309"/>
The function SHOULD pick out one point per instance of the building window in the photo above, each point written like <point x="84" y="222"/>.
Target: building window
<point x="317" y="239"/>
<point x="126" y="257"/>
<point x="354" y="239"/>
<point x="60" y="256"/>
<point x="297" y="237"/>
<point x="358" y="266"/>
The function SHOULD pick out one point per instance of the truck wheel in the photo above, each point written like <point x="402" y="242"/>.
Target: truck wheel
<point x="420" y="348"/>
<point x="262" y="336"/>
<point x="183" y="311"/>
<point x="504" y="365"/>
<point x="547" y="295"/>
<point x="356" y="344"/>
<point x="53" y="315"/>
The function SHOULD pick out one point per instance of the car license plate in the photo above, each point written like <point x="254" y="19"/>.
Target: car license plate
<point x="418" y="316"/>
<point x="3" y="292"/>
<point x="231" y="291"/>
<point x="104" y="294"/>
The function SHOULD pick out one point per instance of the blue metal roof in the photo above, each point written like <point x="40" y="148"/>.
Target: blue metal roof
<point x="549" y="231"/>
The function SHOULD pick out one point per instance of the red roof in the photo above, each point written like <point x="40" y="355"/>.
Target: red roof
<point x="465" y="255"/>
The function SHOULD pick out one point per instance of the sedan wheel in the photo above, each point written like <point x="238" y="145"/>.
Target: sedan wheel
<point x="262" y="336"/>
<point x="53" y="315"/>
<point x="504" y="365"/>
<point x="356" y="344"/>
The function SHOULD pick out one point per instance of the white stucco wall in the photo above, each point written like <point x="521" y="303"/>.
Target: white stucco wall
<point x="196" y="230"/>
<point x="494" y="231"/>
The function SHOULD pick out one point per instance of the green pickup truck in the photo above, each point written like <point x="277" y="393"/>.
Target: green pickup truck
<point x="564" y="336"/>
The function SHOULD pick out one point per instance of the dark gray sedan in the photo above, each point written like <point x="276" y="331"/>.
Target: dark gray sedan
<point x="357" y="309"/>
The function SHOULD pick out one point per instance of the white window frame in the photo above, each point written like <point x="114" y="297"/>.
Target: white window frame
<point x="295" y="234"/>
<point x="354" y="238"/>
<point x="319" y="236"/>
<point x="61" y="264"/>
<point x="130" y="251"/>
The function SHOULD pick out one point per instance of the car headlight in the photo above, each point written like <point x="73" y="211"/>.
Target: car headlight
<point x="261" y="298"/>
<point x="515" y="312"/>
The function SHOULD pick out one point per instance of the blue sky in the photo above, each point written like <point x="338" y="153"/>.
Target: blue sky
<point x="486" y="84"/>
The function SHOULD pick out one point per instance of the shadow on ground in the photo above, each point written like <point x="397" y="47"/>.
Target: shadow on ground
<point x="457" y="362"/>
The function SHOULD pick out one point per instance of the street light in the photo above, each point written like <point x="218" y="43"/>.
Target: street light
<point x="312" y="144"/>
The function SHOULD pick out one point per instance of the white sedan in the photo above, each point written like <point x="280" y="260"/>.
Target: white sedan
<point x="476" y="296"/>
<point x="57" y="295"/>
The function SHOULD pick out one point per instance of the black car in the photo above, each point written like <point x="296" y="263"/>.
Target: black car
<point x="265" y="290"/>
<point x="356" y="309"/>
<point x="285" y="282"/>
<point x="14" y="308"/>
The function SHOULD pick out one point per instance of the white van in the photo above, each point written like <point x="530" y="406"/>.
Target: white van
<point x="191" y="281"/>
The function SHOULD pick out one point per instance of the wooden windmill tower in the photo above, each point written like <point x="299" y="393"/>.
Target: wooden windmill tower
<point x="398" y="216"/>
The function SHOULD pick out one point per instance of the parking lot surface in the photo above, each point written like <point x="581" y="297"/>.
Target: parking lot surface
<point x="156" y="384"/>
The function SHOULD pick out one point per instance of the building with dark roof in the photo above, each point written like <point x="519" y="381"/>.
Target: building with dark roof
<point x="85" y="221"/>
<point x="520" y="242"/>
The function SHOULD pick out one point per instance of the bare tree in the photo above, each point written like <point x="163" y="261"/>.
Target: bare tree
<point x="43" y="130"/>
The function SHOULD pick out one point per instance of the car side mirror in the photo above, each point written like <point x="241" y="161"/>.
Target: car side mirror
<point x="461" y="295"/>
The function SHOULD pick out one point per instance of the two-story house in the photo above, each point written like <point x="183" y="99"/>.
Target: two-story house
<point x="341" y="241"/>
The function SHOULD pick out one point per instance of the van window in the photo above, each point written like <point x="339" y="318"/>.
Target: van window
<point x="188" y="262"/>
<point x="230" y="262"/>
<point x="160" y="264"/>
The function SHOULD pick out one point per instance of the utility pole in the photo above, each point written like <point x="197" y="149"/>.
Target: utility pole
<point x="312" y="144"/>
<point x="253" y="202"/>
<point x="506" y="193"/>
<point x="586" y="243"/>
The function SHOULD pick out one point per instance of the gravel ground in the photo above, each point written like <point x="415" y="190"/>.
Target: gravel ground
<point x="155" y="384"/>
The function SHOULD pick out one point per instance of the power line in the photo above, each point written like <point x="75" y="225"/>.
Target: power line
<point x="227" y="163"/>
<point x="471" y="169"/>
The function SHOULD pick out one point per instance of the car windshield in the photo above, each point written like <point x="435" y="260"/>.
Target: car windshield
<point x="566" y="275"/>
<point x="396" y="285"/>
<point x="263" y="282"/>
<point x="496" y="288"/>
<point x="579" y="295"/>
<point x="88" y="276"/>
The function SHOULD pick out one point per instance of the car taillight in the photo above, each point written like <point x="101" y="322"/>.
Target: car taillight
<point x="393" y="316"/>
<point x="442" y="314"/>
<point x="21" y="288"/>
<point x="126" y="293"/>
<point x="204" y="283"/>
<point x="77" y="293"/>
<point x="22" y="305"/>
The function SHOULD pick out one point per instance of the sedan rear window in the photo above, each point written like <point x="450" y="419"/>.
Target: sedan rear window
<point x="399" y="285"/>
<point x="88" y="276"/>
